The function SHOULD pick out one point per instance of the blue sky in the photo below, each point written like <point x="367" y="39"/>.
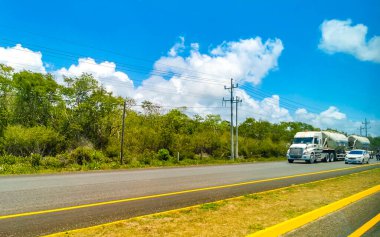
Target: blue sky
<point x="336" y="83"/>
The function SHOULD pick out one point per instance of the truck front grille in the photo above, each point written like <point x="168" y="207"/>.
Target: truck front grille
<point x="295" y="152"/>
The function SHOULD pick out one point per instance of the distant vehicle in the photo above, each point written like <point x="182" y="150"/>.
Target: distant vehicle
<point x="371" y="154"/>
<point x="317" y="146"/>
<point x="357" y="157"/>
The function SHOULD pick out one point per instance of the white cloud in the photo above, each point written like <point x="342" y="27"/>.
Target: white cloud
<point x="330" y="118"/>
<point x="105" y="72"/>
<point x="333" y="118"/>
<point x="267" y="109"/>
<point x="20" y="58"/>
<point x="197" y="80"/>
<point x="341" y="36"/>
<point x="246" y="60"/>
<point x="178" y="47"/>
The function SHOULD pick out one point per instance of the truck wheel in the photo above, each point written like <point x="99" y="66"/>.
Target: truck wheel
<point x="290" y="161"/>
<point x="331" y="157"/>
<point x="312" y="159"/>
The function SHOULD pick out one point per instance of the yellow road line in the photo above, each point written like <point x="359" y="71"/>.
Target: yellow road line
<point x="189" y="207"/>
<point x="364" y="228"/>
<point x="173" y="193"/>
<point x="160" y="213"/>
<point x="301" y="220"/>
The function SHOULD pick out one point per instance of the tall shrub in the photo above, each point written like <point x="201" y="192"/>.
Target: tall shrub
<point x="23" y="141"/>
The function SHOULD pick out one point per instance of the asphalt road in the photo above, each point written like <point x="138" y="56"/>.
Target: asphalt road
<point x="31" y="193"/>
<point x="345" y="221"/>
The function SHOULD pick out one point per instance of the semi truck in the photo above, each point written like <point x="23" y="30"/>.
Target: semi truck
<point x="317" y="146"/>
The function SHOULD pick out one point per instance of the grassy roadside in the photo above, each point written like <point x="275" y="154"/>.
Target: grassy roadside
<point x="239" y="216"/>
<point x="25" y="165"/>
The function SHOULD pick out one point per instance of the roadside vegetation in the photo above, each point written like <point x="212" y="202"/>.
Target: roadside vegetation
<point x="46" y="126"/>
<point x="238" y="216"/>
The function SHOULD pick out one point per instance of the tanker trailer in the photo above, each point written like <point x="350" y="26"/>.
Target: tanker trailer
<point x="334" y="146"/>
<point x="358" y="142"/>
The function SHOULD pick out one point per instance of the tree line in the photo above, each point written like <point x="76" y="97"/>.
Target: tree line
<point x="79" y="123"/>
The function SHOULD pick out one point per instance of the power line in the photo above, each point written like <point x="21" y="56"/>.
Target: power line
<point x="192" y="94"/>
<point x="134" y="68"/>
<point x="165" y="91"/>
<point x="128" y="67"/>
<point x="197" y="95"/>
<point x="108" y="51"/>
<point x="184" y="75"/>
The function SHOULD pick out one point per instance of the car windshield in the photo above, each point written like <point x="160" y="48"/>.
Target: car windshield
<point x="303" y="140"/>
<point x="356" y="152"/>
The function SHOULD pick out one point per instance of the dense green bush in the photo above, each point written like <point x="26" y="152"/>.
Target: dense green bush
<point x="52" y="162"/>
<point x="163" y="154"/>
<point x="147" y="157"/>
<point x="82" y="155"/>
<point x="35" y="160"/>
<point x="8" y="159"/>
<point x="113" y="150"/>
<point x="22" y="141"/>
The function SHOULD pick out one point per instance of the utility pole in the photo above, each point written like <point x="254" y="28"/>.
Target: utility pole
<point x="360" y="129"/>
<point x="232" y="101"/>
<point x="366" y="123"/>
<point x="122" y="134"/>
<point x="237" y="101"/>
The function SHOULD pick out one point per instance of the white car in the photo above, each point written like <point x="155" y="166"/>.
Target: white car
<point x="357" y="157"/>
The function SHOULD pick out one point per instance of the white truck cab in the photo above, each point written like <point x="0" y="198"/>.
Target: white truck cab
<point x="304" y="146"/>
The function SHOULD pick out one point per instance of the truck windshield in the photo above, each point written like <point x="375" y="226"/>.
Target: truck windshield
<point x="303" y="140"/>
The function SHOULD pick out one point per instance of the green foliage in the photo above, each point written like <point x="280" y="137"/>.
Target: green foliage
<point x="22" y="141"/>
<point x="77" y="126"/>
<point x="163" y="154"/>
<point x="112" y="150"/>
<point x="8" y="159"/>
<point x="82" y="155"/>
<point x="49" y="162"/>
<point x="375" y="143"/>
<point x="35" y="160"/>
<point x="210" y="206"/>
<point x="34" y="94"/>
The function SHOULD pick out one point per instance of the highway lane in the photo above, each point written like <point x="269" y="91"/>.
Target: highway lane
<point x="19" y="194"/>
